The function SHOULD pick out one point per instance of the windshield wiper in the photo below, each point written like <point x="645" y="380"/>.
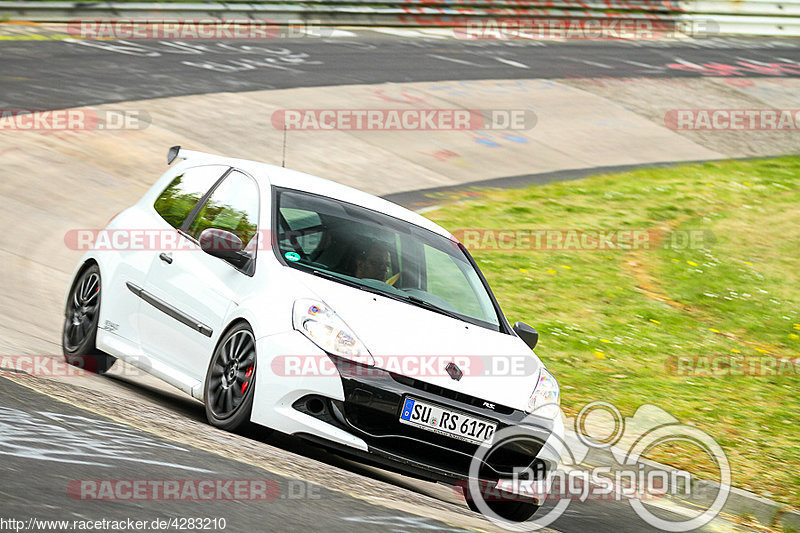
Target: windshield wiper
<point x="334" y="277"/>
<point x="413" y="300"/>
<point x="431" y="307"/>
<point x="348" y="282"/>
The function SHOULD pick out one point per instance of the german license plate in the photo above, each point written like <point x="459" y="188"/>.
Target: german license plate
<point x="447" y="421"/>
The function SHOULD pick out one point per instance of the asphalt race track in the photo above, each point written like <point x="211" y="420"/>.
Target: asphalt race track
<point x="55" y="433"/>
<point x="56" y="438"/>
<point x="77" y="446"/>
<point x="57" y="74"/>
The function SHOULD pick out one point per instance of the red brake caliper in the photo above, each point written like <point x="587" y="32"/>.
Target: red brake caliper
<point x="247" y="375"/>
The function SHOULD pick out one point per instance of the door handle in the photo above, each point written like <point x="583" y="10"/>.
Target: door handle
<point x="167" y="258"/>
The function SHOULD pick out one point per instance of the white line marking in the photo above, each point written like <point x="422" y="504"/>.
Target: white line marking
<point x="595" y="63"/>
<point x="586" y="61"/>
<point x="400" y="32"/>
<point x="57" y="437"/>
<point x="454" y="60"/>
<point x="636" y="63"/>
<point x="511" y="62"/>
<point x="326" y="32"/>
<point x="438" y="33"/>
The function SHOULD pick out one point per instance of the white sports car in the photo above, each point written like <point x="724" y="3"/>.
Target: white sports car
<point x="314" y="309"/>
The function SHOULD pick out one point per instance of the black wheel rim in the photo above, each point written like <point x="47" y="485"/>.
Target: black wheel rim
<point x="82" y="307"/>
<point x="232" y="374"/>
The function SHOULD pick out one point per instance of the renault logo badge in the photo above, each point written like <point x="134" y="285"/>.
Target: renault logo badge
<point x="454" y="371"/>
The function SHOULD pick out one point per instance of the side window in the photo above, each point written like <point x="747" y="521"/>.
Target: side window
<point x="181" y="195"/>
<point x="233" y="207"/>
<point x="446" y="280"/>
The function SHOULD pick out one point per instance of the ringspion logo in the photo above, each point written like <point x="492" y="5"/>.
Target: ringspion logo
<point x="626" y="476"/>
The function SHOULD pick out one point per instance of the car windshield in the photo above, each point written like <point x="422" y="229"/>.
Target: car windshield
<point x="382" y="254"/>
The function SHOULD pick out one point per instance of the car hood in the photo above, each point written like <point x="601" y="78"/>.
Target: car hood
<point x="418" y="343"/>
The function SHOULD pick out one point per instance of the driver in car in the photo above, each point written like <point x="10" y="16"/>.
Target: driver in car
<point x="374" y="262"/>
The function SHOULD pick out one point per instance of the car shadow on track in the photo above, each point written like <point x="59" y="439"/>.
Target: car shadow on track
<point x="193" y="409"/>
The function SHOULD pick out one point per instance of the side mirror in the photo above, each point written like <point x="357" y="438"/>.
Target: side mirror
<point x="172" y="154"/>
<point x="225" y="245"/>
<point x="529" y="335"/>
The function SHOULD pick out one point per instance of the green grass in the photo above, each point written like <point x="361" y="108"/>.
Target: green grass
<point x="610" y="319"/>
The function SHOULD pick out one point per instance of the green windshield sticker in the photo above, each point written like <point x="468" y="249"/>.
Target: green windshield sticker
<point x="292" y="256"/>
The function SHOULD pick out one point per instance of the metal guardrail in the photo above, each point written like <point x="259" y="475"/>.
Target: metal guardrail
<point x="723" y="7"/>
<point x="741" y="17"/>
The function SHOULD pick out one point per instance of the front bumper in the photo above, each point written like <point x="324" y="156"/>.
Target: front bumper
<point x="370" y="410"/>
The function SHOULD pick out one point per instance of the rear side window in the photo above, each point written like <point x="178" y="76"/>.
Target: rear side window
<point x="233" y="206"/>
<point x="181" y="195"/>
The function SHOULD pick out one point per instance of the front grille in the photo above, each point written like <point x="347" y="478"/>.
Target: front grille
<point x="449" y="394"/>
<point x="371" y="410"/>
<point x="385" y="432"/>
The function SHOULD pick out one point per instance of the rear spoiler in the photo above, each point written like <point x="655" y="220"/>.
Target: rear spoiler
<point x="176" y="152"/>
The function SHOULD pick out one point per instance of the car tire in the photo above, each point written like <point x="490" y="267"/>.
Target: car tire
<point x="230" y="380"/>
<point x="81" y="316"/>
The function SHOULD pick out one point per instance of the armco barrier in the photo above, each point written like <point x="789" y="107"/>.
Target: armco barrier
<point x="698" y="17"/>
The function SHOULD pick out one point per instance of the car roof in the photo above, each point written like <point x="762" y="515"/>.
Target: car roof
<point x="293" y="179"/>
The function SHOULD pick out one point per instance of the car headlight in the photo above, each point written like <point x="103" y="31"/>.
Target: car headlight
<point x="324" y="328"/>
<point x="546" y="398"/>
